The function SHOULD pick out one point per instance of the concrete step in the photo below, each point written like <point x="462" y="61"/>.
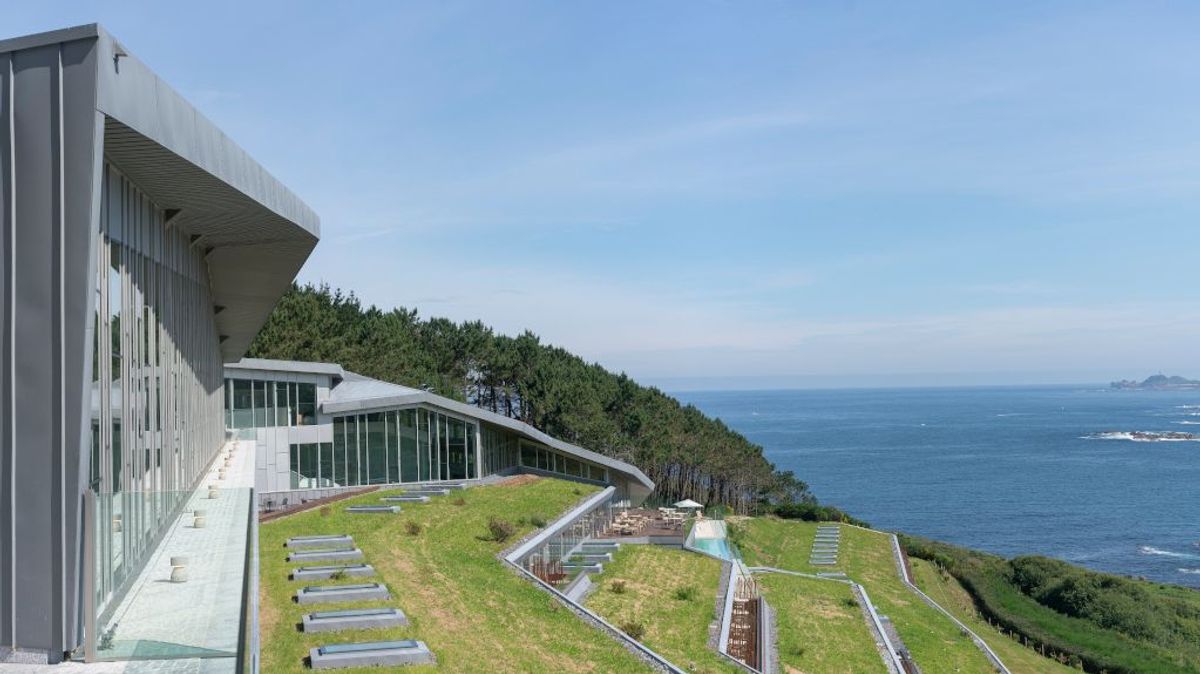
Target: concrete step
<point x="324" y="541"/>
<point x="326" y="594"/>
<point x="353" y="619"/>
<point x="384" y="653"/>
<point x="426" y="492"/>
<point x="591" y="557"/>
<point x="330" y="570"/>
<point x="344" y="555"/>
<point x="600" y="547"/>
<point x="373" y="510"/>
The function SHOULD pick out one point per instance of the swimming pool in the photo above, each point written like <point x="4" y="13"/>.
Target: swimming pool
<point x="710" y="537"/>
<point x="717" y="547"/>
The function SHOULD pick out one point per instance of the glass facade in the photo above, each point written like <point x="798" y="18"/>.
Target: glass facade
<point x="550" y="461"/>
<point x="407" y="445"/>
<point x="499" y="450"/>
<point x="257" y="403"/>
<point x="312" y="465"/>
<point x="156" y="379"/>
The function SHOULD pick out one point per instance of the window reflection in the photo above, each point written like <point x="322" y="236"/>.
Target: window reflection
<point x="256" y="403"/>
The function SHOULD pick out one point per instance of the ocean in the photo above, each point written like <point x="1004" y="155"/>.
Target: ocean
<point x="1055" y="471"/>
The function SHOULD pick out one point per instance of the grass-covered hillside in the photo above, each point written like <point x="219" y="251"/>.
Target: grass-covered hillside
<point x="475" y="613"/>
<point x="667" y="597"/>
<point x="820" y="627"/>
<point x="950" y="594"/>
<point x="1100" y="621"/>
<point x="936" y="643"/>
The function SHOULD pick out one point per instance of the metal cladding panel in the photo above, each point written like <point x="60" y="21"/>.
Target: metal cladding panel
<point x="67" y="103"/>
<point x="50" y="142"/>
<point x="132" y="94"/>
<point x="7" y="225"/>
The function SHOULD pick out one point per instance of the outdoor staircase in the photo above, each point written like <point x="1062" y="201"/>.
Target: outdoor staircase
<point x="825" y="545"/>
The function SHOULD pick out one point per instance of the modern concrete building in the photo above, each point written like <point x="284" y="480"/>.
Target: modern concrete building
<point x="140" y="250"/>
<point x="319" y="427"/>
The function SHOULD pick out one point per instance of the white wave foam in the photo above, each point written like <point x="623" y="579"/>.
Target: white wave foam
<point x="1187" y="407"/>
<point x="1191" y="571"/>
<point x="1145" y="436"/>
<point x="1188" y="423"/>
<point x="1150" y="550"/>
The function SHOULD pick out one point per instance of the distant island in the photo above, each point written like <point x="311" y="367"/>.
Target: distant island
<point x="1158" y="382"/>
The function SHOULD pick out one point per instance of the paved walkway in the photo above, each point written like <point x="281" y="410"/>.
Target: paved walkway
<point x="191" y="627"/>
<point x="201" y="616"/>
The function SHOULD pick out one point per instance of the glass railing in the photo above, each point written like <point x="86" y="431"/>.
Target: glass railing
<point x="170" y="575"/>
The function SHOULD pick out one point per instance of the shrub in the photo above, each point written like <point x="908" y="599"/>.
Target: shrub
<point x="460" y="501"/>
<point x="538" y="521"/>
<point x="850" y="602"/>
<point x="1049" y="604"/>
<point x="326" y="511"/>
<point x="617" y="587"/>
<point x="337" y="575"/>
<point x="634" y="629"/>
<point x="412" y="528"/>
<point x="812" y="512"/>
<point x="500" y="530"/>
<point x="685" y="593"/>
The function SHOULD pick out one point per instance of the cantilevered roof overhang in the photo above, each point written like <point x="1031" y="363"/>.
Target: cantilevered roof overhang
<point x="254" y="232"/>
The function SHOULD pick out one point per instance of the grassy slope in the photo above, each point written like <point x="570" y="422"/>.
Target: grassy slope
<point x="676" y="629"/>
<point x="820" y="630"/>
<point x="936" y="643"/>
<point x="866" y="557"/>
<point x="954" y="598"/>
<point x="767" y="541"/>
<point x="984" y="577"/>
<point x="475" y="614"/>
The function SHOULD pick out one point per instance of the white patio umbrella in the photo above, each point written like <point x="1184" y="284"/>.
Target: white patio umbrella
<point x="688" y="504"/>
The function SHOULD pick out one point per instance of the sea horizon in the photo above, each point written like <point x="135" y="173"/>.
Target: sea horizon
<point x="1012" y="470"/>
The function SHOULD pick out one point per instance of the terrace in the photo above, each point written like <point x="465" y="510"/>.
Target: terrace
<point x="645" y="523"/>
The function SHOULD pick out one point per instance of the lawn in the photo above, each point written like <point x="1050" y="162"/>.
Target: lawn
<point x="768" y="541"/>
<point x="820" y="625"/>
<point x="945" y="590"/>
<point x="475" y="613"/>
<point x="936" y="643"/>
<point x="676" y="625"/>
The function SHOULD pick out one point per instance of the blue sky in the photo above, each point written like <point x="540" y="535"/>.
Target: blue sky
<point x="732" y="194"/>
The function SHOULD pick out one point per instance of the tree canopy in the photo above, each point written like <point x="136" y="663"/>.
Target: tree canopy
<point x="686" y="454"/>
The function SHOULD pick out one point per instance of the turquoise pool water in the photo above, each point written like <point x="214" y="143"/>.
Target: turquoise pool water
<point x="714" y="546"/>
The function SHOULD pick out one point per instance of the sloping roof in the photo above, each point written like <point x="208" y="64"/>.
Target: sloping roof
<point x="353" y="393"/>
<point x="357" y="393"/>
<point x="355" y="387"/>
<point x="297" y="366"/>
